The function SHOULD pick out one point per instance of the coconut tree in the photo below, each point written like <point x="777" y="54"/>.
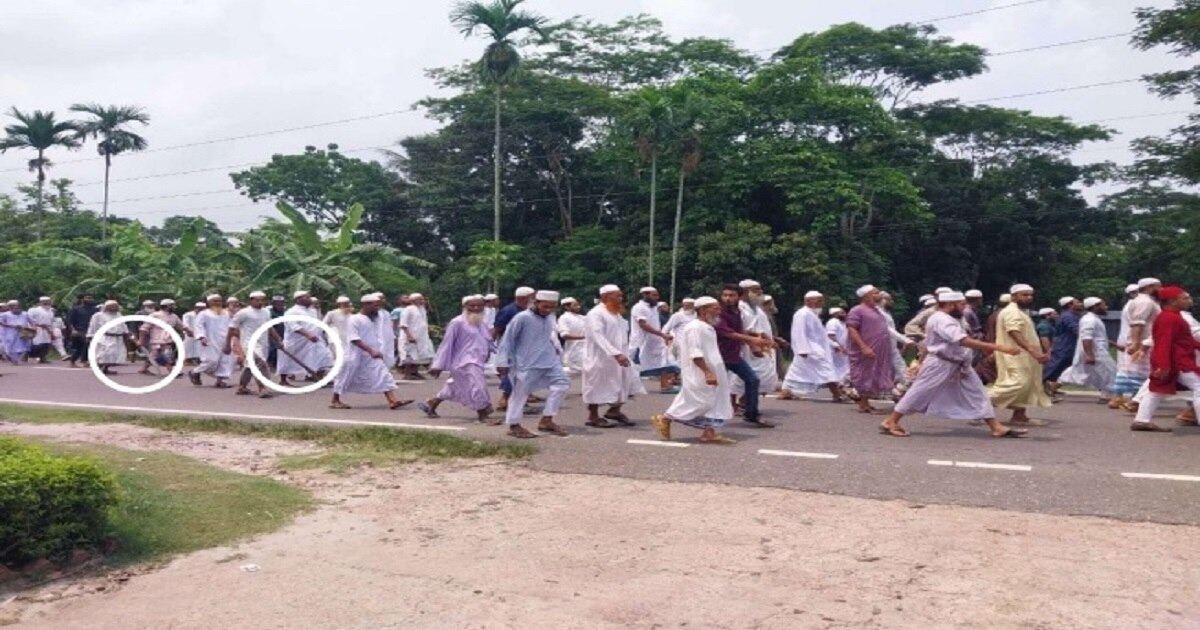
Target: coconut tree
<point x="109" y="124"/>
<point x="38" y="131"/>
<point x="502" y="22"/>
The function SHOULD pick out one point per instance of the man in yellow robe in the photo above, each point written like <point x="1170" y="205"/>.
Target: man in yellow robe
<point x="1018" y="384"/>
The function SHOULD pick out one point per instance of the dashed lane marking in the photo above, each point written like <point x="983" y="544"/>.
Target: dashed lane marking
<point x="945" y="462"/>
<point x="1163" y="477"/>
<point x="658" y="443"/>
<point x="203" y="413"/>
<point x="765" y="451"/>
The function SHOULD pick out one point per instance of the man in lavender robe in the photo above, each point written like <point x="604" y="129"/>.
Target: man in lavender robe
<point x="16" y="346"/>
<point x="466" y="346"/>
<point x="946" y="385"/>
<point x="872" y="372"/>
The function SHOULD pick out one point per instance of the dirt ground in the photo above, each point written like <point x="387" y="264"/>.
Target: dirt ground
<point x="494" y="545"/>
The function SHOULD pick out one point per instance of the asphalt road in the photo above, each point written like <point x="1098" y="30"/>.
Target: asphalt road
<point x="1086" y="461"/>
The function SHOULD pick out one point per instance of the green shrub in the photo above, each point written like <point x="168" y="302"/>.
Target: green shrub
<point x="48" y="504"/>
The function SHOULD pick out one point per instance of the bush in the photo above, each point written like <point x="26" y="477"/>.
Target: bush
<point x="48" y="504"/>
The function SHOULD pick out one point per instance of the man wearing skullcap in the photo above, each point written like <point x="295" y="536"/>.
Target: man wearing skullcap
<point x="915" y="328"/>
<point x="971" y="318"/>
<point x="946" y="386"/>
<point x="464" y="351"/>
<point x="242" y="327"/>
<point x="110" y="350"/>
<point x="1172" y="360"/>
<point x="78" y="320"/>
<point x="839" y="340"/>
<point x="338" y="318"/>
<point x="812" y="364"/>
<point x="16" y="333"/>
<point x="704" y="400"/>
<point x="648" y="343"/>
<point x="414" y="334"/>
<point x="522" y="298"/>
<point x="685" y="315"/>
<point x="212" y="332"/>
<point x="1019" y="383"/>
<point x="365" y="370"/>
<point x="872" y="372"/>
<point x="191" y="347"/>
<point x="396" y="313"/>
<point x="1092" y="365"/>
<point x="530" y="355"/>
<point x="1133" y="364"/>
<point x="304" y="343"/>
<point x="572" y="330"/>
<point x="41" y="319"/>
<point x="609" y="377"/>
<point x="755" y="321"/>
<point x="1066" y="337"/>
<point x="1047" y="322"/>
<point x="160" y="346"/>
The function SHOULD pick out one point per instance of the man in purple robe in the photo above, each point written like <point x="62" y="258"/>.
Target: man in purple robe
<point x="465" y="348"/>
<point x="872" y="372"/>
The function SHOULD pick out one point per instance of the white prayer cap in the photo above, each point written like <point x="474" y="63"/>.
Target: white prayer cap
<point x="1065" y="301"/>
<point x="14" y="302"/>
<point x="929" y="301"/>
<point x="701" y="302"/>
<point x="233" y="300"/>
<point x="213" y="297"/>
<point x="925" y="298"/>
<point x="258" y="294"/>
<point x="609" y="288"/>
<point x="106" y="304"/>
<point x="1148" y="282"/>
<point x="974" y="293"/>
<point x="941" y="290"/>
<point x="524" y="292"/>
<point x="200" y="305"/>
<point x="491" y="296"/>
<point x="467" y="299"/>
<point x="547" y="296"/>
<point x="1005" y="298"/>
<point x="344" y="300"/>
<point x="569" y="300"/>
<point x="1046" y="311"/>
<point x="167" y="302"/>
<point x="1133" y="288"/>
<point x="865" y="289"/>
<point x="1092" y="301"/>
<point x="689" y="301"/>
<point x="813" y="294"/>
<point x="44" y="299"/>
<point x="951" y="296"/>
<point x="147" y="302"/>
<point x="1021" y="288"/>
<point x="749" y="284"/>
<point x="380" y="295"/>
<point x="767" y="298"/>
<point x="366" y="299"/>
<point x="648" y="290"/>
<point x="299" y="294"/>
<point x="836" y="311"/>
<point x="415" y="296"/>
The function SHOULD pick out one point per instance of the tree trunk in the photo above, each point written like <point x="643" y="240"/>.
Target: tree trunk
<point x="41" y="183"/>
<point x="675" y="237"/>
<point x="104" y="213"/>
<point x="496" y="172"/>
<point x="653" y="200"/>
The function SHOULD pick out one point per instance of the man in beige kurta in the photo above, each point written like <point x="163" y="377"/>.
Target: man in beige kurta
<point x="1018" y="384"/>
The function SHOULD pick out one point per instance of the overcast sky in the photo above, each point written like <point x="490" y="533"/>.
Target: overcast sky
<point x="214" y="69"/>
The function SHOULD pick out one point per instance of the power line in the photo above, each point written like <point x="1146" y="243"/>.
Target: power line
<point x="1135" y="117"/>
<point x="1001" y="7"/>
<point x="1060" y="44"/>
<point x="1052" y="91"/>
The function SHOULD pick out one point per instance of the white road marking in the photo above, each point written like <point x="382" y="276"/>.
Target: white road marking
<point x="766" y="451"/>
<point x="1154" y="476"/>
<point x="658" y="443"/>
<point x="1016" y="467"/>
<point x="202" y="413"/>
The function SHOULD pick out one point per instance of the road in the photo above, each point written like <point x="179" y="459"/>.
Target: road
<point x="1086" y="461"/>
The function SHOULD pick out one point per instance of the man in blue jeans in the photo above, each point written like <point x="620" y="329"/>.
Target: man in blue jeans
<point x="730" y="337"/>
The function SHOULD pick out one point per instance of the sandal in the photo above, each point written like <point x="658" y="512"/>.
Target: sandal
<point x="1011" y="433"/>
<point x="242" y="391"/>
<point x="662" y="425"/>
<point x="339" y="405"/>
<point x="520" y="432"/>
<point x="719" y="439"/>
<point x="893" y="431"/>
<point x="429" y="412"/>
<point x="620" y="419"/>
<point x="266" y="395"/>
<point x="760" y="423"/>
<point x="492" y="422"/>
<point x="222" y="386"/>
<point x="552" y="429"/>
<point x="600" y="423"/>
<point x="399" y="403"/>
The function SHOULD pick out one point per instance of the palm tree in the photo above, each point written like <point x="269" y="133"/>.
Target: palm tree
<point x="108" y="124"/>
<point x="38" y="131"/>
<point x="501" y="21"/>
<point x="689" y="147"/>
<point x="652" y="121"/>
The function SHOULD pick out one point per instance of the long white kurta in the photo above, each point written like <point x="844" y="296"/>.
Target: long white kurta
<point x="339" y="320"/>
<point x="605" y="382"/>
<point x="839" y="338"/>
<point x="247" y="321"/>
<point x="1101" y="374"/>
<point x="947" y="386"/>
<point x="421" y="351"/>
<point x="898" y="341"/>
<point x="311" y="353"/>
<point x="212" y="330"/>
<point x="696" y="398"/>
<point x="191" y="348"/>
<point x="575" y="325"/>
<point x="652" y="350"/>
<point x="362" y="373"/>
<point x="812" y="366"/>
<point x="110" y="350"/>
<point x="756" y="322"/>
<point x="40" y="316"/>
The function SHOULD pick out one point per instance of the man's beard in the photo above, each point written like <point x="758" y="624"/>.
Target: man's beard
<point x="756" y="300"/>
<point x="956" y="313"/>
<point x="714" y="320"/>
<point x="616" y="308"/>
<point x="473" y="319"/>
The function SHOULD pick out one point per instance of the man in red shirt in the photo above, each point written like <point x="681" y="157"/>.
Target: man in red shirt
<point x="1172" y="360"/>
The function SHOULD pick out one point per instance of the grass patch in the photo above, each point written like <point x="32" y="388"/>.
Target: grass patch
<point x="345" y="447"/>
<point x="171" y="504"/>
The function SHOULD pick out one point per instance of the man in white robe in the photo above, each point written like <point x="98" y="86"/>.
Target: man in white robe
<point x="41" y="318"/>
<point x="414" y="334"/>
<point x="899" y="341"/>
<point x="242" y="327"/>
<point x="161" y="346"/>
<point x="757" y="322"/>
<point x="649" y="343"/>
<point x="608" y="376"/>
<point x="812" y="366"/>
<point x="339" y="320"/>
<point x="387" y="331"/>
<point x="572" y="330"/>
<point x="303" y="343"/>
<point x="395" y="315"/>
<point x="839" y="340"/>
<point x="110" y="349"/>
<point x="191" y="348"/>
<point x="704" y="400"/>
<point x="365" y="370"/>
<point x="1093" y="366"/>
<point x="57" y="339"/>
<point x="947" y="385"/>
<point x="684" y="316"/>
<point x="212" y="332"/>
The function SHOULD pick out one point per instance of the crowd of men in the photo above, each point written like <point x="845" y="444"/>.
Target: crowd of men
<point x="716" y="355"/>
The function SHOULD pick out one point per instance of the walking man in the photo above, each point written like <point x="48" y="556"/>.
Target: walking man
<point x="872" y="372"/>
<point x="731" y="338"/>
<point x="465" y="349"/>
<point x="608" y="376"/>
<point x="529" y="355"/>
<point x="704" y="401"/>
<point x="1019" y="382"/>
